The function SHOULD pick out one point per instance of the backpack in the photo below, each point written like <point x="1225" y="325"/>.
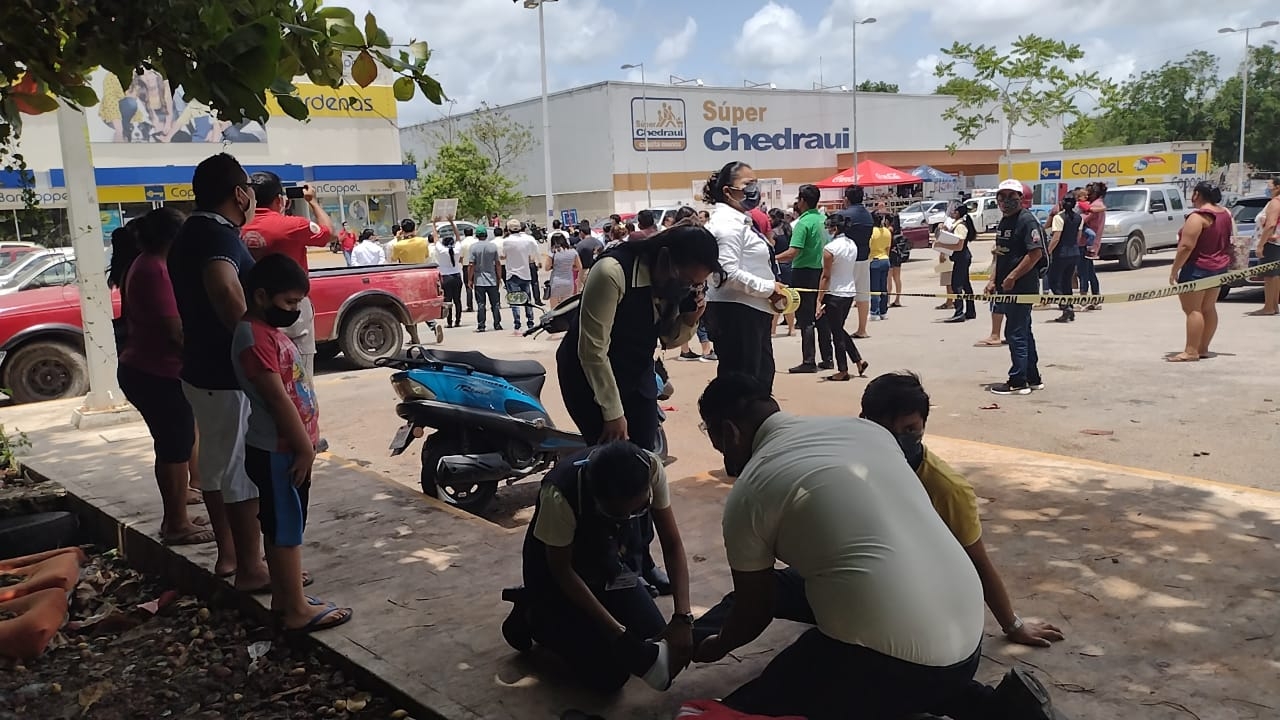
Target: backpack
<point x="900" y="250"/>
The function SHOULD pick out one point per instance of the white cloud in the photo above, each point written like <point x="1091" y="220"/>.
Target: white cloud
<point x="675" y="48"/>
<point x="773" y="36"/>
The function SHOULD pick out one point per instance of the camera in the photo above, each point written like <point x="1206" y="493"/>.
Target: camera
<point x="294" y="192"/>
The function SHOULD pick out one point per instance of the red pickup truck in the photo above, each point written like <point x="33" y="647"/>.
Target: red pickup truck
<point x="363" y="312"/>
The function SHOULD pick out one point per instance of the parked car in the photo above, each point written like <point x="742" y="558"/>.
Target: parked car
<point x="11" y="250"/>
<point x="24" y="263"/>
<point x="1141" y="219"/>
<point x="54" y="270"/>
<point x="443" y="230"/>
<point x="362" y="312"/>
<point x="926" y="213"/>
<point x="1245" y="212"/>
<point x="985" y="212"/>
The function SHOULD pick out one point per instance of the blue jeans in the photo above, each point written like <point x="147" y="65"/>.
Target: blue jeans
<point x="1025" y="369"/>
<point x="515" y="284"/>
<point x="879" y="287"/>
<point x="1088" y="276"/>
<point x="346" y="255"/>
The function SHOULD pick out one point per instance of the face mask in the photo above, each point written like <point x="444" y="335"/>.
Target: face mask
<point x="249" y="207"/>
<point x="1009" y="204"/>
<point x="751" y="196"/>
<point x="279" y="317"/>
<point x="912" y="444"/>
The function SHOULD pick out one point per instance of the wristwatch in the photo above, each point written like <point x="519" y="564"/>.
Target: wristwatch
<point x="686" y="618"/>
<point x="1015" y="627"/>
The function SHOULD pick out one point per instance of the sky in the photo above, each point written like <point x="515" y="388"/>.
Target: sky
<point x="487" y="50"/>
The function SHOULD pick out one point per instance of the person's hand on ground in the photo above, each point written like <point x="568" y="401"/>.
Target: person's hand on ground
<point x="614" y="430"/>
<point x="301" y="466"/>
<point x="679" y="637"/>
<point x="1036" y="634"/>
<point x="710" y="650"/>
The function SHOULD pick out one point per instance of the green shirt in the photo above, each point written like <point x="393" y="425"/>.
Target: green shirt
<point x="809" y="237"/>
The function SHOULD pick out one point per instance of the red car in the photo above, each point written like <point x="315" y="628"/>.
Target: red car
<point x="363" y="312"/>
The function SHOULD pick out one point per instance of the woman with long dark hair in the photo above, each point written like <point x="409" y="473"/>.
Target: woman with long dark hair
<point x="780" y="237"/>
<point x="448" y="257"/>
<point x="961" y="261"/>
<point x="740" y="309"/>
<point x="1203" y="251"/>
<point x="150" y="361"/>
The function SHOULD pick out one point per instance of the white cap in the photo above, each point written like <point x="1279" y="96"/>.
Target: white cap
<point x="1013" y="185"/>
<point x="514" y="225"/>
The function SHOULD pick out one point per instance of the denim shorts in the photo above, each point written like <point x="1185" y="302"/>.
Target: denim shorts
<point x="1190" y="272"/>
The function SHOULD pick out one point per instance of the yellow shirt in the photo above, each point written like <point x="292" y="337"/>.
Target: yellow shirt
<point x="881" y="239"/>
<point x="952" y="496"/>
<point x="410" y="251"/>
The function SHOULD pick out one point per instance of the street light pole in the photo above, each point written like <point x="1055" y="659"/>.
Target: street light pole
<point x="1244" y="90"/>
<point x="546" y="115"/>
<point x="854" y="137"/>
<point x="644" y="122"/>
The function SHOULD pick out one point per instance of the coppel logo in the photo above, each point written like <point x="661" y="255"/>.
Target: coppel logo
<point x="11" y="197"/>
<point x="659" y="122"/>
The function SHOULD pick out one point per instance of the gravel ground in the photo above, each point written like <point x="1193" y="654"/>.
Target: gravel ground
<point x="133" y="649"/>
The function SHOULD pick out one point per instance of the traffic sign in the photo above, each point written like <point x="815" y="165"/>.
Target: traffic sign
<point x="569" y="217"/>
<point x="1050" y="169"/>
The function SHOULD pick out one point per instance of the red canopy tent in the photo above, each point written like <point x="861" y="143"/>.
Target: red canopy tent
<point x="869" y="173"/>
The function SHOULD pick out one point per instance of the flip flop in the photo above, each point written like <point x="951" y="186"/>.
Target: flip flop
<point x="836" y="378"/>
<point x="264" y="589"/>
<point x="197" y="536"/>
<point x="987" y="343"/>
<point x="321" y="622"/>
<point x="860" y="337"/>
<point x="1182" y="357"/>
<point x="1259" y="313"/>
<point x="862" y="368"/>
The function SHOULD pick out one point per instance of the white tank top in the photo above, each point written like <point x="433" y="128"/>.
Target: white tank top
<point x="844" y="254"/>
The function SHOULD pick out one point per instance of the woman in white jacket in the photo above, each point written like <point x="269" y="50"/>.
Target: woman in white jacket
<point x="740" y="310"/>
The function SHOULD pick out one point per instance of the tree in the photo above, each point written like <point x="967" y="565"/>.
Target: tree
<point x="1262" y="142"/>
<point x="1026" y="86"/>
<point x="461" y="170"/>
<point x="1172" y="102"/>
<point x="954" y="86"/>
<point x="879" y="86"/>
<point x="499" y="137"/>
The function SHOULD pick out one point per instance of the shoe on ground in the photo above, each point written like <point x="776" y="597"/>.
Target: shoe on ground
<point x="1036" y="385"/>
<point x="480" y="329"/>
<point x="1007" y="389"/>
<point x="650" y="661"/>
<point x="497" y="328"/>
<point x="1021" y="696"/>
<point x="826" y="365"/>
<point x="955" y="319"/>
<point x="516" y="629"/>
<point x="711" y="357"/>
<point x="803" y="368"/>
<point x="691" y="355"/>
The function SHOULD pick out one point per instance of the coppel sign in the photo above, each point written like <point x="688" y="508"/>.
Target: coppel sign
<point x="13" y="198"/>
<point x="741" y="128"/>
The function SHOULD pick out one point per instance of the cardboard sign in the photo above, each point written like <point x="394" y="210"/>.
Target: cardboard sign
<point x="444" y="208"/>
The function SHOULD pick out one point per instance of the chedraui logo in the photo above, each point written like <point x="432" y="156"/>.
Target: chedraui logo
<point x="659" y="123"/>
<point x="727" y="135"/>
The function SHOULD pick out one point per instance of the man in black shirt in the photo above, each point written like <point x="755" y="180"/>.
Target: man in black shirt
<point x="588" y="247"/>
<point x="1019" y="249"/>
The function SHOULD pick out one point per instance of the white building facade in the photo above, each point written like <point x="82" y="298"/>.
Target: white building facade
<point x="790" y="137"/>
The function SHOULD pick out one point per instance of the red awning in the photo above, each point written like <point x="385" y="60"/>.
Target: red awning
<point x="869" y="173"/>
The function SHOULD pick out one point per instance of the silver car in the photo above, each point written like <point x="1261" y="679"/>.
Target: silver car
<point x="1141" y="219"/>
<point x="927" y="213"/>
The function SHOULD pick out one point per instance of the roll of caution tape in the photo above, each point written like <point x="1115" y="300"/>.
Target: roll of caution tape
<point x="789" y="302"/>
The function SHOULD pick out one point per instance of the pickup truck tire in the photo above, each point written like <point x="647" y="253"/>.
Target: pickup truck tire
<point x="46" y="370"/>
<point x="370" y="333"/>
<point x="1134" y="250"/>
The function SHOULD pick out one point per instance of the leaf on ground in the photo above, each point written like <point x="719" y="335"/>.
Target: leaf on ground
<point x="93" y="693"/>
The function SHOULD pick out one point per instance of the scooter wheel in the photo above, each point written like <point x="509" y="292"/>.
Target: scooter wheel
<point x="472" y="499"/>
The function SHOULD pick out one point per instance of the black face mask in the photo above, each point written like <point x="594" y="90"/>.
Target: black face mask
<point x="279" y="317"/>
<point x="912" y="444"/>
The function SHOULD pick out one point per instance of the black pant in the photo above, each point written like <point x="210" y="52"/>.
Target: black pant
<point x="537" y="286"/>
<point x="598" y="660"/>
<point x="836" y="314"/>
<point x="961" y="284"/>
<point x="741" y="335"/>
<point x="1061" y="271"/>
<point x="452" y="285"/>
<point x="468" y="290"/>
<point x="821" y="678"/>
<point x="808" y="278"/>
<point x="487" y="294"/>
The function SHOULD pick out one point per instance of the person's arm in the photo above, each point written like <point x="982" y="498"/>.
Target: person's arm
<point x="755" y="595"/>
<point x="222" y="284"/>
<point x="997" y="598"/>
<point x="1053" y="241"/>
<point x="1271" y="214"/>
<point x="560" y="561"/>
<point x="679" y="632"/>
<point x="1097" y="207"/>
<point x="799" y="238"/>
<point x="598" y="308"/>
<point x="962" y="232"/>
<point x="577" y="273"/>
<point x="828" y="260"/>
<point x="732" y="246"/>
<point x="1187" y="239"/>
<point x="256" y="362"/>
<point x="1034" y="252"/>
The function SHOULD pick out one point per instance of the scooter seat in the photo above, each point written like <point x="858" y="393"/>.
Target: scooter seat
<point x="490" y="366"/>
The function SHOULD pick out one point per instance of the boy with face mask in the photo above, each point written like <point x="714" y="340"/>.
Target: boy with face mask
<point x="898" y="402"/>
<point x="283" y="433"/>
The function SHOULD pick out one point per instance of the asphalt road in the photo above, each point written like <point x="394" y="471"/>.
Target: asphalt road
<point x="1110" y="395"/>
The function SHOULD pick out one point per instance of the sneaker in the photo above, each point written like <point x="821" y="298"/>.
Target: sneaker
<point x="480" y="329"/>
<point x="690" y="355"/>
<point x="650" y="661"/>
<point x="1007" y="389"/>
<point x="497" y="328"/>
<point x="803" y="368"/>
<point x="711" y="357"/>
<point x="658" y="676"/>
<point x="1021" y="695"/>
<point x="1039" y="385"/>
<point x="826" y="365"/>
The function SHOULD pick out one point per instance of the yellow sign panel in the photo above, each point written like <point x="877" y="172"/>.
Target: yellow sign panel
<point x="348" y="101"/>
<point x="144" y="193"/>
<point x="1156" y="166"/>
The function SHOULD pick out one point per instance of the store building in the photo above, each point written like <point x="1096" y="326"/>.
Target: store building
<point x="600" y="161"/>
<point x="146" y="142"/>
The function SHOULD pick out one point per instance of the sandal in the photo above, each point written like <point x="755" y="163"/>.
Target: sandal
<point x="860" y="336"/>
<point x="1259" y="313"/>
<point x="895" y="304"/>
<point x="1182" y="357"/>
<point x="331" y="617"/>
<point x="988" y="343"/>
<point x="862" y="368"/>
<point x="195" y="536"/>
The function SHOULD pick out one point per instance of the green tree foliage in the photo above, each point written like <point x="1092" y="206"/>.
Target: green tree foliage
<point x="1028" y="85"/>
<point x="225" y="53"/>
<point x="1262" y="131"/>
<point x="462" y="170"/>
<point x="879" y="86"/>
<point x="499" y="137"/>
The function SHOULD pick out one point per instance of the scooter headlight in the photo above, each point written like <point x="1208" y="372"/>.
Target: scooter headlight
<point x="409" y="389"/>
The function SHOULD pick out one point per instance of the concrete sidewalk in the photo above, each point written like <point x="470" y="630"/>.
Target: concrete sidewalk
<point x="1167" y="587"/>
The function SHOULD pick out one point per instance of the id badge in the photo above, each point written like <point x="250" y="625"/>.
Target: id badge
<point x="624" y="581"/>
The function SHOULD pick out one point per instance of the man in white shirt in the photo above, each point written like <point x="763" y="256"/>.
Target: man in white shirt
<point x="468" y="239"/>
<point x="368" y="251"/>
<point x="519" y="250"/>
<point x="898" y="608"/>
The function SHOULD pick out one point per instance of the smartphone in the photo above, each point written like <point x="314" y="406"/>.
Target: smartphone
<point x="294" y="192"/>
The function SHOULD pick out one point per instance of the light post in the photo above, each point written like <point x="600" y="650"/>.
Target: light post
<point x="546" y="115"/>
<point x="854" y="137"/>
<point x="1244" y="89"/>
<point x="644" y="126"/>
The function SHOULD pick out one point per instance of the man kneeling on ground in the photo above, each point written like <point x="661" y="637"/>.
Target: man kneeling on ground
<point x="896" y="604"/>
<point x="898" y="402"/>
<point x="579" y="600"/>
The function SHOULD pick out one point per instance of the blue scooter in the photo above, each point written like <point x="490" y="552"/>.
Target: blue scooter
<point x="487" y="420"/>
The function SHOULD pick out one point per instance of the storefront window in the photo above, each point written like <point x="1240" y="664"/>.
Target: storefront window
<point x="47" y="226"/>
<point x="362" y="211"/>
